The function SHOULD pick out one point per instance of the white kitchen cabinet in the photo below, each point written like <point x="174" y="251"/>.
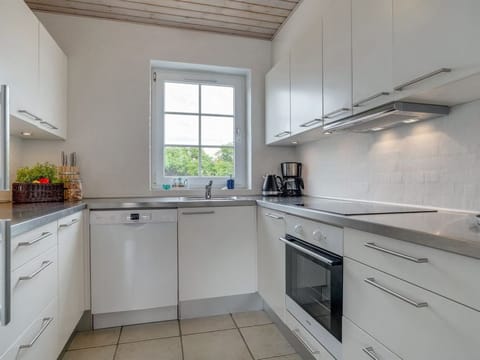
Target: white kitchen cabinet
<point x="53" y="84"/>
<point x="217" y="252"/>
<point x="337" y="61"/>
<point x="71" y="274"/>
<point x="271" y="259"/>
<point x="277" y="102"/>
<point x="371" y="53"/>
<point x="19" y="57"/>
<point x="410" y="321"/>
<point x="306" y="81"/>
<point x="431" y="35"/>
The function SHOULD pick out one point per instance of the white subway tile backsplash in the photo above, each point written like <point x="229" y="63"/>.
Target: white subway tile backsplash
<point x="435" y="163"/>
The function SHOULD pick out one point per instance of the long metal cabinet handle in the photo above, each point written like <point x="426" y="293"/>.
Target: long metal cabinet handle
<point x="53" y="127"/>
<point x="5" y="139"/>
<point x="34" y="241"/>
<point x="370" y="98"/>
<point x="74" y="221"/>
<point x="371" y="353"/>
<point x="30" y="115"/>
<point x="336" y="113"/>
<point x="45" y="264"/>
<point x="372" y="245"/>
<point x="273" y="216"/>
<point x="306" y="251"/>
<point x="45" y="322"/>
<point x="198" y="212"/>
<point x="311" y="122"/>
<point x="372" y="282"/>
<point x="5" y="269"/>
<point x="422" y="78"/>
<point x="298" y="335"/>
<point x="282" y="134"/>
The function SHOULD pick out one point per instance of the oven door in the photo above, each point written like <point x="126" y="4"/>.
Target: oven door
<point x="314" y="285"/>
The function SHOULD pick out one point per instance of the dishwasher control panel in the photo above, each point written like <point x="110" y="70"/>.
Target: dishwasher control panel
<point x="101" y="217"/>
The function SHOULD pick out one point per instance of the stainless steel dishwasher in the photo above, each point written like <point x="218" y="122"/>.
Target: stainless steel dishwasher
<point x="133" y="266"/>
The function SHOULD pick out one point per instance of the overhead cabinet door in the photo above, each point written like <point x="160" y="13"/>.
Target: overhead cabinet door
<point x="277" y="96"/>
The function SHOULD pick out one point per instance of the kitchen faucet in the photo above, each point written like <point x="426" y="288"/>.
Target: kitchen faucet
<point x="208" y="190"/>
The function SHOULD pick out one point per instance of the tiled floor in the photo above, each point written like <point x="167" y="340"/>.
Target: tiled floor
<point x="240" y="336"/>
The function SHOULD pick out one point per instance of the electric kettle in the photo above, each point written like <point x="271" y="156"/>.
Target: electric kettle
<point x="272" y="185"/>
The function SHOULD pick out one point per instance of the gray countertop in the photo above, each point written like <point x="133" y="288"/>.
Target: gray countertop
<point x="450" y="231"/>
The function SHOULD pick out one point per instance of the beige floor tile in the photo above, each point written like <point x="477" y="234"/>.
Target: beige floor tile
<point x="98" y="353"/>
<point x="251" y="318"/>
<point x="86" y="339"/>
<point x="266" y="341"/>
<point x="211" y="323"/>
<point x="159" y="349"/>
<point x="217" y="345"/>
<point x="149" y="331"/>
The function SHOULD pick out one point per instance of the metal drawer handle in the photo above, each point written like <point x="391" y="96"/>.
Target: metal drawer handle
<point x="336" y="113"/>
<point x="370" y="98"/>
<point x="198" y="212"/>
<point x="311" y="123"/>
<point x="53" y="127"/>
<point x="282" y="134"/>
<point x="372" y="282"/>
<point x="371" y="353"/>
<point x="45" y="323"/>
<point x="298" y="335"/>
<point x="30" y="115"/>
<point x="273" y="216"/>
<point x="422" y="78"/>
<point x="45" y="264"/>
<point x="74" y="221"/>
<point x="34" y="241"/>
<point x="372" y="245"/>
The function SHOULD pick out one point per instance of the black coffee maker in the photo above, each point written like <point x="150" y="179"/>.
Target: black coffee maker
<point x="292" y="178"/>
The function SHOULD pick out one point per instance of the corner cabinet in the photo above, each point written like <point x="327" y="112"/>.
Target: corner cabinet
<point x="217" y="249"/>
<point x="277" y="102"/>
<point x="271" y="259"/>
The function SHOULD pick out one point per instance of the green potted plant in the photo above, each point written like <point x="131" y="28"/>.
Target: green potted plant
<point x="38" y="183"/>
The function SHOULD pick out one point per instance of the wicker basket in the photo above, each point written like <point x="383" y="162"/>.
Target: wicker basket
<point x="32" y="193"/>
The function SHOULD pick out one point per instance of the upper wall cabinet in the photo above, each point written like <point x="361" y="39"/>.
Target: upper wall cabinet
<point x="34" y="68"/>
<point x="277" y="96"/>
<point x="371" y="53"/>
<point x="337" y="57"/>
<point x="434" y="43"/>
<point x="306" y="81"/>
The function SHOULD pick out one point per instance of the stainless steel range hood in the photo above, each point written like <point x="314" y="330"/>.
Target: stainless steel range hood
<point x="387" y="116"/>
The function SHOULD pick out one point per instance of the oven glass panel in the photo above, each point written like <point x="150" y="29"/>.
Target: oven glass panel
<point x="316" y="286"/>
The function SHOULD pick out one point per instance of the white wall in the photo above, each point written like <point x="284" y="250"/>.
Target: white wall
<point x="108" y="100"/>
<point x="435" y="163"/>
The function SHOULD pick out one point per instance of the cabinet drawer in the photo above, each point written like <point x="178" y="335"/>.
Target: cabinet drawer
<point x="358" y="345"/>
<point x="34" y="285"/>
<point x="447" y="274"/>
<point x="323" y="235"/>
<point x="310" y="343"/>
<point x="414" y="323"/>
<point x="39" y="341"/>
<point x="32" y="243"/>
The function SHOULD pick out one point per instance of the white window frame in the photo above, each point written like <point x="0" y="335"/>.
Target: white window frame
<point x="159" y="77"/>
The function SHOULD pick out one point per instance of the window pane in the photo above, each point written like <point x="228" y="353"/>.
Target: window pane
<point x="181" y="97"/>
<point x="217" y="131"/>
<point x="218" y="161"/>
<point x="217" y="100"/>
<point x="181" y="161"/>
<point x="181" y="129"/>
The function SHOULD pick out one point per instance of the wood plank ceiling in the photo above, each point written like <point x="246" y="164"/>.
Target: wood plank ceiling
<point x="252" y="18"/>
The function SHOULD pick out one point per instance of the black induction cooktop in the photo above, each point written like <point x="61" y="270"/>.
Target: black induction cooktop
<point x="353" y="208"/>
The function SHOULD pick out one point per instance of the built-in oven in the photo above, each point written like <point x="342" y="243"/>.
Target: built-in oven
<point x="314" y="291"/>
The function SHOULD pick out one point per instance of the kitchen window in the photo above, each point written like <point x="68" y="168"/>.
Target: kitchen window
<point x="198" y="128"/>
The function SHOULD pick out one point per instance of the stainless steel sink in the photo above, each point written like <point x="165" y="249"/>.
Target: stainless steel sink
<point x="201" y="198"/>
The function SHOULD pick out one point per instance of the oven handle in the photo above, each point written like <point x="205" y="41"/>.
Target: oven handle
<point x="308" y="252"/>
